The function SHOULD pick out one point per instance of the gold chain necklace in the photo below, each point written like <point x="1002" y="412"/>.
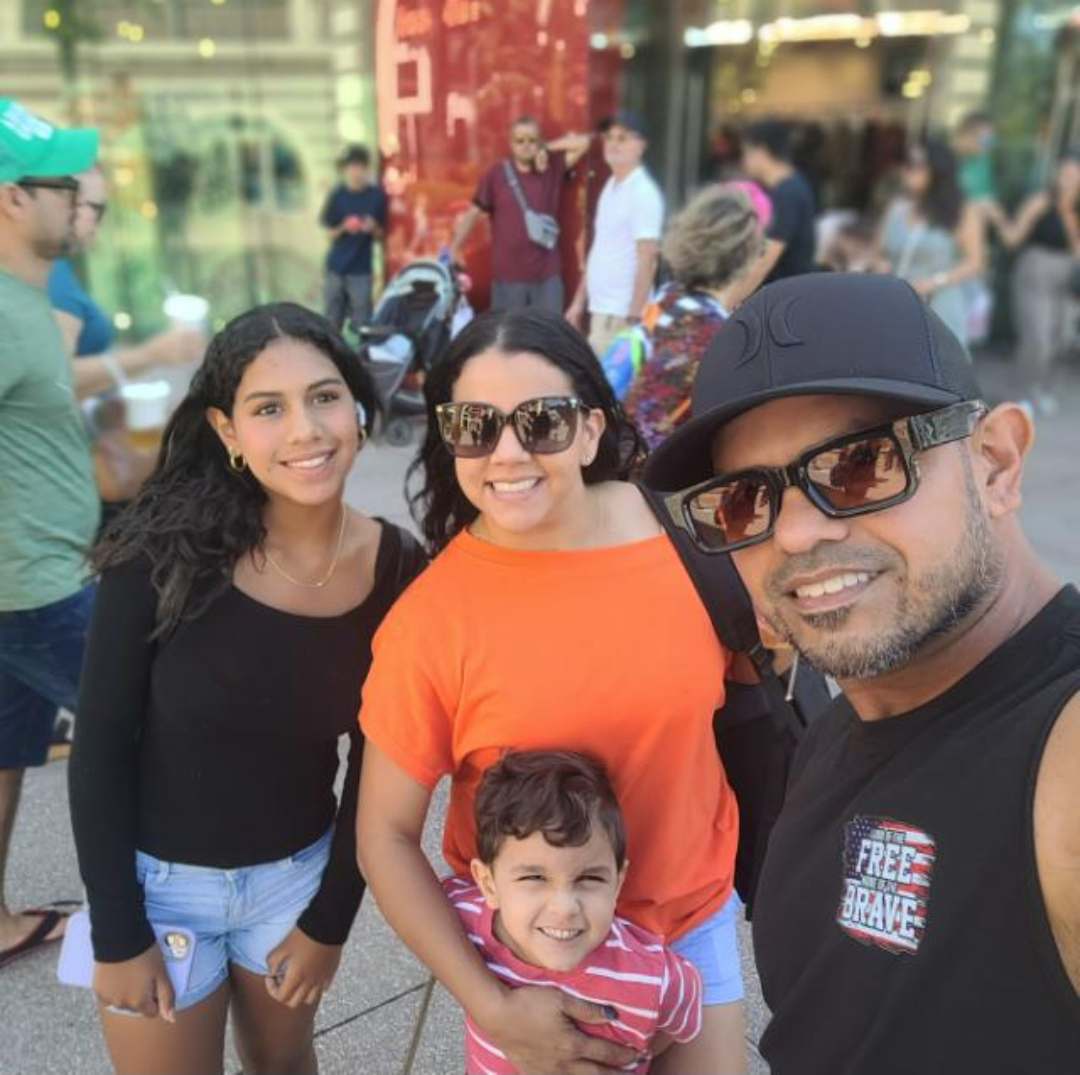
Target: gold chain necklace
<point x="318" y="584"/>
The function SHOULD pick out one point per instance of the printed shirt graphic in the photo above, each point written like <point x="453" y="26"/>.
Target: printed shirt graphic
<point x="653" y="989"/>
<point x="887" y="872"/>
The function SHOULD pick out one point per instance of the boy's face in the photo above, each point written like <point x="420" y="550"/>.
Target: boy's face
<point x="553" y="905"/>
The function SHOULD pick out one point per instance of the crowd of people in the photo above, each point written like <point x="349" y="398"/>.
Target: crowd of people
<point x="919" y="903"/>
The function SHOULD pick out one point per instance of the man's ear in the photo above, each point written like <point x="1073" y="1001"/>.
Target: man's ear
<point x="485" y="881"/>
<point x="222" y="425"/>
<point x="1000" y="444"/>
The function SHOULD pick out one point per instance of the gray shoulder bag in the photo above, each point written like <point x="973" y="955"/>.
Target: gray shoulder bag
<point x="541" y="228"/>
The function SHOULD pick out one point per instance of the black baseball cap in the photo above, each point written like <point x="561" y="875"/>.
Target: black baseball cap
<point x="627" y="119"/>
<point x="849" y="334"/>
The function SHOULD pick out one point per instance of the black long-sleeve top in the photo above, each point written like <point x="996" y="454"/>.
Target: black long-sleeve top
<point x="218" y="746"/>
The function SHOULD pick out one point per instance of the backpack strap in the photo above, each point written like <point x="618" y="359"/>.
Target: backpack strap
<point x="732" y="614"/>
<point x="514" y="184"/>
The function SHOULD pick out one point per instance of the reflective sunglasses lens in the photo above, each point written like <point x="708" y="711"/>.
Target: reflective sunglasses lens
<point x="469" y="430"/>
<point x="546" y="426"/>
<point x="731" y="513"/>
<point x="859" y="473"/>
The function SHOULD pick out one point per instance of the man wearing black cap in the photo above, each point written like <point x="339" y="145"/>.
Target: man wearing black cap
<point x="919" y="906"/>
<point x="621" y="265"/>
<point x="354" y="215"/>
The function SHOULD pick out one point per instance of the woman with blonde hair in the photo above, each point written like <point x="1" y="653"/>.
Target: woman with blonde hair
<point x="708" y="247"/>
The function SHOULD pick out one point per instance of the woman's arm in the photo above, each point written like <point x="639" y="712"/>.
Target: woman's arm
<point x="1014" y="233"/>
<point x="534" y="1026"/>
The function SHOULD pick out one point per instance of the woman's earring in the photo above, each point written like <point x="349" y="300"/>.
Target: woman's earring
<point x="361" y="439"/>
<point x="236" y="461"/>
<point x="361" y="421"/>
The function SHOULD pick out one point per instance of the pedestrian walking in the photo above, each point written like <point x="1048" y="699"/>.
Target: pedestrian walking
<point x="354" y="215"/>
<point x="620" y="270"/>
<point x="48" y="503"/>
<point x="237" y="602"/>
<point x="919" y="905"/>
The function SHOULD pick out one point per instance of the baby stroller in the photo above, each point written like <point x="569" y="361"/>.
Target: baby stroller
<point x="408" y="332"/>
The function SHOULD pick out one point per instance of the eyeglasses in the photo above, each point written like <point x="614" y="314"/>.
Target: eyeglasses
<point x="855" y="474"/>
<point x="64" y="182"/>
<point x="98" y="208"/>
<point x="544" y="426"/>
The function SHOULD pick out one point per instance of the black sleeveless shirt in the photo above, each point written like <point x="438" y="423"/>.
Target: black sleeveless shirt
<point x="899" y="925"/>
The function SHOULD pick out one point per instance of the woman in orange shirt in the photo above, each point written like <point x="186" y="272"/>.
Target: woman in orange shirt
<point x="556" y="615"/>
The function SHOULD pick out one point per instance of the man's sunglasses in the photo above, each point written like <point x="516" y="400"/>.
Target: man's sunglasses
<point x="544" y="426"/>
<point x="855" y="474"/>
<point x="65" y="182"/>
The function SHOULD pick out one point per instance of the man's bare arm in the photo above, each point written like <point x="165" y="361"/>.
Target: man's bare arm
<point x="1057" y="835"/>
<point x="573" y="145"/>
<point x="648" y="253"/>
<point x="465" y="225"/>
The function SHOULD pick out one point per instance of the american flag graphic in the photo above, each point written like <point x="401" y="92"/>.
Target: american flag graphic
<point x="887" y="872"/>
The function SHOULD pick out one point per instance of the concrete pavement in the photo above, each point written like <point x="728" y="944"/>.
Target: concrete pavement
<point x="365" y="1022"/>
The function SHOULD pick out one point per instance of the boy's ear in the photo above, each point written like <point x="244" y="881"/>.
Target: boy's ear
<point x="485" y="881"/>
<point x="622" y="876"/>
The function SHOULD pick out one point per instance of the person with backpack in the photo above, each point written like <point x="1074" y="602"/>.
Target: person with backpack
<point x="545" y="556"/>
<point x="919" y="905"/>
<point x="520" y="195"/>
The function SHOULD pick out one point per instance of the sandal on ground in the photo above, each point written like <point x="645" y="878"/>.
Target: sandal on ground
<point x="51" y="916"/>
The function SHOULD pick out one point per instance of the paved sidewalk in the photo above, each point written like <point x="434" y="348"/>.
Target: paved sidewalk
<point x="365" y="1023"/>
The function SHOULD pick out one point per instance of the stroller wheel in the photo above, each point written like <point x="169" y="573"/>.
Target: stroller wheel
<point x="399" y="432"/>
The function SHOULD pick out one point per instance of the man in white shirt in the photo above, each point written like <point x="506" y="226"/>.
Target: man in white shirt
<point x="621" y="265"/>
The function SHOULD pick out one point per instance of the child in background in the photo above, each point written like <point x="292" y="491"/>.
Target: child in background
<point x="551" y="860"/>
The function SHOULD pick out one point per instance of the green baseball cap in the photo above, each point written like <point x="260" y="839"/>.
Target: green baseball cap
<point x="32" y="148"/>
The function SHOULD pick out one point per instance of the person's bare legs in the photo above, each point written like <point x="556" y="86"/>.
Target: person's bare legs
<point x="13" y="927"/>
<point x="194" y="1043"/>
<point x="270" y="1038"/>
<point x="720" y="1048"/>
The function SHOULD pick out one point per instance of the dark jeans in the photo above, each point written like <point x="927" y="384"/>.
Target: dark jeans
<point x="347" y="296"/>
<point x="41" y="652"/>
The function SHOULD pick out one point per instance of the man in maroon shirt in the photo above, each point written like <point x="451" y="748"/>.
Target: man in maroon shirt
<point x="524" y="273"/>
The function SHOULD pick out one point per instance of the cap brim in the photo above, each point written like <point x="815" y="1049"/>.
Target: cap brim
<point x="685" y="458"/>
<point x="69" y="152"/>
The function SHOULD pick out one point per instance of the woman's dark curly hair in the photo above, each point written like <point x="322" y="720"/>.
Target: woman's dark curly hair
<point x="440" y="508"/>
<point x="942" y="200"/>
<point x="196" y="517"/>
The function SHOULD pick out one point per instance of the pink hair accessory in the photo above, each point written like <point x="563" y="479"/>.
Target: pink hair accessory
<point x="760" y="202"/>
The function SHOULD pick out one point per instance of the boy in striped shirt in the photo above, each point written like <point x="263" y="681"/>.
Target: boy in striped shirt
<point x="541" y="906"/>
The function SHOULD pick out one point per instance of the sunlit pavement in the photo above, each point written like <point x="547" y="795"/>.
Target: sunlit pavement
<point x="366" y="1021"/>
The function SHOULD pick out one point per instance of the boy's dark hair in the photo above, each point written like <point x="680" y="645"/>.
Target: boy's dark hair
<point x="972" y="120"/>
<point x="772" y="135"/>
<point x="355" y="154"/>
<point x="559" y="793"/>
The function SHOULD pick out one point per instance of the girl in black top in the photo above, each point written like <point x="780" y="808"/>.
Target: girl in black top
<point x="229" y="643"/>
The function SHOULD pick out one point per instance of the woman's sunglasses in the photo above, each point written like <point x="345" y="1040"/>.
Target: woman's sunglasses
<point x="851" y="475"/>
<point x="544" y="426"/>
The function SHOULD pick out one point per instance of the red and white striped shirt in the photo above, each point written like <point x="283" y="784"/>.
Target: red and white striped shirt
<point x="653" y="989"/>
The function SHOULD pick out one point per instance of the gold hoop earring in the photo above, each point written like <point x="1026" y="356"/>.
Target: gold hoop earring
<point x="361" y="439"/>
<point x="236" y="461"/>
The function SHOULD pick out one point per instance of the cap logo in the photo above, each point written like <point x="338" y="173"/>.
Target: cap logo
<point x="778" y="327"/>
<point x="25" y="126"/>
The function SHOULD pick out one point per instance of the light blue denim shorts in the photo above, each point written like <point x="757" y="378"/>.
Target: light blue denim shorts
<point x="713" y="947"/>
<point x="238" y="916"/>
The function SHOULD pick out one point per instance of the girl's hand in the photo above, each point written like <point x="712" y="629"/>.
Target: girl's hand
<point x="140" y="985"/>
<point x="301" y="969"/>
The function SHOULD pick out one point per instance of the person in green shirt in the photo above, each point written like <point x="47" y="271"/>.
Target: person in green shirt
<point x="48" y="502"/>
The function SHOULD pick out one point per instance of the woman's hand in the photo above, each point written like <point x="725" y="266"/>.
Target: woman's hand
<point x="536" y="1027"/>
<point x="301" y="969"/>
<point x="140" y="985"/>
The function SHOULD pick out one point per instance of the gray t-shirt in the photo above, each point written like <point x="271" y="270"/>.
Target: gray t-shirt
<point x="48" y="500"/>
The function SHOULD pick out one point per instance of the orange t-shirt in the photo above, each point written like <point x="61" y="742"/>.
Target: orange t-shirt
<point x="604" y="651"/>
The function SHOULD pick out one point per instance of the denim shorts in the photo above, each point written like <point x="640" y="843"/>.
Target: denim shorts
<point x="238" y="916"/>
<point x="712" y="946"/>
<point x="41" y="652"/>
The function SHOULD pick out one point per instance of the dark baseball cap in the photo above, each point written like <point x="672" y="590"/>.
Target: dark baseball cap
<point x="627" y="119"/>
<point x="848" y="334"/>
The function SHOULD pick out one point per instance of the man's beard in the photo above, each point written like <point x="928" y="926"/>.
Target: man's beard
<point x="929" y="606"/>
<point x="49" y="248"/>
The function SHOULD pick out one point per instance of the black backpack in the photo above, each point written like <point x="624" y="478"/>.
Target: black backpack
<point x="760" y="724"/>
